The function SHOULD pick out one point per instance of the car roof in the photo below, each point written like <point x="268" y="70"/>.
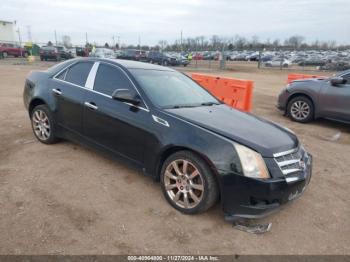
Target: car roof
<point x="129" y="64"/>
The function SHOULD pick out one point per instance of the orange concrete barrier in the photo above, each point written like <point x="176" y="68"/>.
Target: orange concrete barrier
<point x="237" y="93"/>
<point x="292" y="77"/>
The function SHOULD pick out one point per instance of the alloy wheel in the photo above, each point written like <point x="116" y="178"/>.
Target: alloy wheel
<point x="41" y="125"/>
<point x="300" y="110"/>
<point x="184" y="183"/>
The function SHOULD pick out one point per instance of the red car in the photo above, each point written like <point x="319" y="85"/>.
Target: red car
<point x="197" y="56"/>
<point x="13" y="50"/>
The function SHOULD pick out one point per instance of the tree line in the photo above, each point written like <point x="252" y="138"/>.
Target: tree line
<point x="217" y="43"/>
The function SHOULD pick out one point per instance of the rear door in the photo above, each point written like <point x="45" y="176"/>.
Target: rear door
<point x="113" y="124"/>
<point x="335" y="100"/>
<point x="69" y="91"/>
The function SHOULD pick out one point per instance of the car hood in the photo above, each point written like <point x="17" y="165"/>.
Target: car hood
<point x="261" y="135"/>
<point x="312" y="80"/>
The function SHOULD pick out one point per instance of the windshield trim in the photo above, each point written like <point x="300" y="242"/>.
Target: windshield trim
<point x="175" y="106"/>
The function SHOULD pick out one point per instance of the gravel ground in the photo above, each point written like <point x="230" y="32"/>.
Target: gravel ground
<point x="68" y="199"/>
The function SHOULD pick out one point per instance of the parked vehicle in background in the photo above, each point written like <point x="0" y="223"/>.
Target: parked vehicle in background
<point x="208" y="55"/>
<point x="133" y="54"/>
<point x="174" y="131"/>
<point x="49" y="53"/>
<point x="308" y="99"/>
<point x="278" y="63"/>
<point x="63" y="52"/>
<point x="156" y="57"/>
<point x="335" y="66"/>
<point x="103" y="53"/>
<point x="253" y="57"/>
<point x="72" y="52"/>
<point x="312" y="62"/>
<point x="80" y="51"/>
<point x="181" y="59"/>
<point x="13" y="50"/>
<point x="197" y="56"/>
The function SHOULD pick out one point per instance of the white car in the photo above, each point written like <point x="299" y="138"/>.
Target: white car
<point x="278" y="62"/>
<point x="103" y="53"/>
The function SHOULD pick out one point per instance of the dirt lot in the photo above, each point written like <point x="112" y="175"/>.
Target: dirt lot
<point x="68" y="199"/>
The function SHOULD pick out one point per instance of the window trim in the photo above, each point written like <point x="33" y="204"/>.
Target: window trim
<point x="67" y="68"/>
<point x="135" y="88"/>
<point x="93" y="76"/>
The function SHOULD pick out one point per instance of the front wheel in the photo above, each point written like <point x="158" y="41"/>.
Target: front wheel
<point x="188" y="183"/>
<point x="300" y="109"/>
<point x="43" y="125"/>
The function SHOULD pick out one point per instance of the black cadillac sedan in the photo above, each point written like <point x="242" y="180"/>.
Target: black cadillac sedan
<point x="165" y="123"/>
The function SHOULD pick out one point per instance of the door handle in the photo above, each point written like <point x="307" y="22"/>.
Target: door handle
<point x="57" y="91"/>
<point x="91" y="105"/>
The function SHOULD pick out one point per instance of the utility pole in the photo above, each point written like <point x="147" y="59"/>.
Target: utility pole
<point x="140" y="42"/>
<point x="181" y="41"/>
<point x="86" y="38"/>
<point x="20" y="40"/>
<point x="29" y="33"/>
<point x="55" y="37"/>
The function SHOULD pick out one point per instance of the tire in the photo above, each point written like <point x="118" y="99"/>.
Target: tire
<point x="25" y="55"/>
<point x="300" y="109"/>
<point x="165" y="63"/>
<point x="4" y="54"/>
<point x="41" y="58"/>
<point x="201" y="190"/>
<point x="151" y="61"/>
<point x="285" y="65"/>
<point x="41" y="119"/>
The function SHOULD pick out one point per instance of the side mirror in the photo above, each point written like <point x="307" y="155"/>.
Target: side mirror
<point x="337" y="81"/>
<point x="125" y="95"/>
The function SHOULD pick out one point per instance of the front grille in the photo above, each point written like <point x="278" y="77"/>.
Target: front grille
<point x="290" y="161"/>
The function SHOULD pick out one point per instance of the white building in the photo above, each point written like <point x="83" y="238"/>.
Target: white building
<point x="7" y="31"/>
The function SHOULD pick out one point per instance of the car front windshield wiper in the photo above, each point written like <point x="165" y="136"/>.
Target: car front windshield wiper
<point x="180" y="106"/>
<point x="209" y="103"/>
<point x="191" y="105"/>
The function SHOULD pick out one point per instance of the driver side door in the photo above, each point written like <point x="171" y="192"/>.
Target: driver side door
<point x="115" y="125"/>
<point x="335" y="100"/>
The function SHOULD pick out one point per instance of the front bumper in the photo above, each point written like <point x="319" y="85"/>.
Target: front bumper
<point x="282" y="100"/>
<point x="244" y="197"/>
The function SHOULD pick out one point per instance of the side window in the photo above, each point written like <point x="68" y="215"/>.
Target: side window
<point x="78" y="73"/>
<point x="109" y="78"/>
<point x="62" y="75"/>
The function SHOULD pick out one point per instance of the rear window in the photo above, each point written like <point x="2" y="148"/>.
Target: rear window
<point x="78" y="73"/>
<point x="48" y="48"/>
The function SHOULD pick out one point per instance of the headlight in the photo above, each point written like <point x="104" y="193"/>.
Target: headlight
<point x="253" y="164"/>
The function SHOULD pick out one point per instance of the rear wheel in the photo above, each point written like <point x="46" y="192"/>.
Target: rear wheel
<point x="43" y="125"/>
<point x="300" y="109"/>
<point x="4" y="54"/>
<point x="188" y="183"/>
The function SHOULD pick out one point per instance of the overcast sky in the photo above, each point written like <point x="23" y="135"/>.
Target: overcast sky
<point x="164" y="19"/>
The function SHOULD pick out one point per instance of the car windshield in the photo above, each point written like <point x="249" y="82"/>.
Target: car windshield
<point x="171" y="89"/>
<point x="48" y="48"/>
